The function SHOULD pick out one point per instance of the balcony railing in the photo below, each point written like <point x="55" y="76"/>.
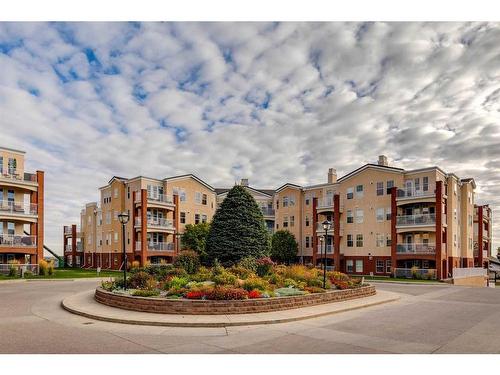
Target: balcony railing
<point x="321" y="249"/>
<point x="18" y="176"/>
<point x="416" y="193"/>
<point x="267" y="211"/>
<point x="325" y="202"/>
<point x="416" y="248"/>
<point x="414" y="273"/>
<point x="69" y="247"/>
<point x="18" y="208"/>
<point x="156" y="246"/>
<point x="160" y="198"/>
<point x="7" y="240"/>
<point x="20" y="268"/>
<point x="67" y="230"/>
<point x="161" y="223"/>
<point x="420" y="219"/>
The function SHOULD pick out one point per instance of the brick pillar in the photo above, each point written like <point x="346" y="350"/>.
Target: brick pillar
<point x="314" y="222"/>
<point x="394" y="233"/>
<point x="39" y="200"/>
<point x="440" y="272"/>
<point x="336" y="232"/>
<point x="177" y="224"/>
<point x="65" y="241"/>
<point x="480" y="227"/>
<point x="133" y="218"/>
<point x="144" y="226"/>
<point x="73" y="244"/>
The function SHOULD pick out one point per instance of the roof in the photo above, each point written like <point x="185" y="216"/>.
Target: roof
<point x="12" y="150"/>
<point x="190" y="175"/>
<point x="293" y="186"/>
<point x="469" y="179"/>
<point x="370" y="165"/>
<point x="268" y="192"/>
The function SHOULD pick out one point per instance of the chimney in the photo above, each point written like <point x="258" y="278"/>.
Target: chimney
<point x="332" y="175"/>
<point x="244" y="182"/>
<point x="382" y="160"/>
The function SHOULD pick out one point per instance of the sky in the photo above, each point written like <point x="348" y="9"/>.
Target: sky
<point x="272" y="102"/>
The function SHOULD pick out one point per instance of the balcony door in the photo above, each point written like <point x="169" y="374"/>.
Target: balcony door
<point x="409" y="238"/>
<point x="409" y="188"/>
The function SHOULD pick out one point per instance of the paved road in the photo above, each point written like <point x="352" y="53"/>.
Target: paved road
<point x="427" y="319"/>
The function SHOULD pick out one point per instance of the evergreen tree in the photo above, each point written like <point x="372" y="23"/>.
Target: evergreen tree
<point x="238" y="229"/>
<point x="195" y="238"/>
<point x="284" y="247"/>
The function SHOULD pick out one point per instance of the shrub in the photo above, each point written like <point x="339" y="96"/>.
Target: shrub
<point x="108" y="285"/>
<point x="50" y="268"/>
<point x="341" y="284"/>
<point x="195" y="238"/>
<point x="241" y="272"/>
<point x="177" y="282"/>
<point x="284" y="247"/>
<point x="225" y="293"/>
<point x="203" y="274"/>
<point x="188" y="260"/>
<point x="224" y="278"/>
<point x="314" y="289"/>
<point x="146" y="293"/>
<point x="250" y="263"/>
<point x="195" y="294"/>
<point x="255" y="283"/>
<point x="176" y="292"/>
<point x="237" y="229"/>
<point x="119" y="283"/>
<point x="28" y="274"/>
<point x="135" y="265"/>
<point x="414" y="273"/>
<point x="286" y="292"/>
<point x="176" y="272"/>
<point x="254" y="294"/>
<point x="141" y="280"/>
<point x="264" y="266"/>
<point x="335" y="275"/>
<point x="43" y="267"/>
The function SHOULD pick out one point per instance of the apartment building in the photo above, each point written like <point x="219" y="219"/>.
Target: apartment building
<point x="21" y="210"/>
<point x="483" y="226"/>
<point x="159" y="210"/>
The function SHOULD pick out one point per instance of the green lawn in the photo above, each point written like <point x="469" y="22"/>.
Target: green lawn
<point x="389" y="279"/>
<point x="70" y="273"/>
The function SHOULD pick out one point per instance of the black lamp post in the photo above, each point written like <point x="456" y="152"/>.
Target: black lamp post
<point x="326" y="226"/>
<point x="124" y="217"/>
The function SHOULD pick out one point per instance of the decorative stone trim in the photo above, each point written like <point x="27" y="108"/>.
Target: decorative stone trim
<point x="208" y="307"/>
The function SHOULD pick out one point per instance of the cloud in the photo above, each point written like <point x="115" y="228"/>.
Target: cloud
<point x="274" y="102"/>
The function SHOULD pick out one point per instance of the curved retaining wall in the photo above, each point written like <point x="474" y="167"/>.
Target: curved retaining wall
<point x="206" y="307"/>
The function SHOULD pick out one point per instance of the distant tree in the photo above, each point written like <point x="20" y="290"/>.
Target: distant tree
<point x="238" y="229"/>
<point x="195" y="238"/>
<point x="284" y="247"/>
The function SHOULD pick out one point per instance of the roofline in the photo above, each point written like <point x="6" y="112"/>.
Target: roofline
<point x="189" y="175"/>
<point x="370" y="165"/>
<point x="145" y="178"/>
<point x="435" y="167"/>
<point x="246" y="187"/>
<point x="288" y="184"/>
<point x="12" y="150"/>
<point x="311" y="187"/>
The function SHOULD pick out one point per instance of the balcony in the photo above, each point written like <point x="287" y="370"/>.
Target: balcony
<point x="416" y="249"/>
<point x="321" y="249"/>
<point x="155" y="246"/>
<point x="156" y="223"/>
<point x="13" y="208"/>
<point x="7" y="240"/>
<point x="17" y="176"/>
<point x="160" y="199"/>
<point x="415" y="273"/>
<point x="325" y="202"/>
<point x="268" y="211"/>
<point x="321" y="231"/>
<point x="69" y="248"/>
<point x="416" y="220"/>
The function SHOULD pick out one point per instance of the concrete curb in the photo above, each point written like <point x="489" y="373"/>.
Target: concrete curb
<point x="406" y="282"/>
<point x="80" y="304"/>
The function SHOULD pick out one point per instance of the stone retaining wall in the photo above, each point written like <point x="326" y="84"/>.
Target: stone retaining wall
<point x="206" y="307"/>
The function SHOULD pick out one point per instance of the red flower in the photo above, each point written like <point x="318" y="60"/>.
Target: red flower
<point x="254" y="294"/>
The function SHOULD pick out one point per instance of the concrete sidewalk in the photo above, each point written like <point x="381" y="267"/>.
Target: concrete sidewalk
<point x="84" y="304"/>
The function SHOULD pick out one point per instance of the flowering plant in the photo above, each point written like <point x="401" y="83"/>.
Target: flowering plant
<point x="254" y="294"/>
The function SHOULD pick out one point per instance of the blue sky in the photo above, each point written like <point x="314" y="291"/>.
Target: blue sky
<point x="273" y="102"/>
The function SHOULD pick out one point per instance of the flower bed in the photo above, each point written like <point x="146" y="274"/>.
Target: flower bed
<point x="256" y="280"/>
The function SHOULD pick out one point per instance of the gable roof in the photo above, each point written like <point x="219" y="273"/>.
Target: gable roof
<point x="292" y="186"/>
<point x="370" y="166"/>
<point x="189" y="175"/>
<point x="268" y="192"/>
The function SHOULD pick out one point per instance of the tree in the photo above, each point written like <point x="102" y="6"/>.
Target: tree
<point x="238" y="229"/>
<point x="284" y="247"/>
<point x="195" y="238"/>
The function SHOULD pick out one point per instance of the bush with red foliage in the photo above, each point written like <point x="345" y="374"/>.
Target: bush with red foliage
<point x="340" y="284"/>
<point x="225" y="293"/>
<point x="255" y="294"/>
<point x="195" y="294"/>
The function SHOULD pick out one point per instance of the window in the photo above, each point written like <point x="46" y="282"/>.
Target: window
<point x="307" y="241"/>
<point x="181" y="193"/>
<point x="89" y="240"/>
<point x="454" y="188"/>
<point x="425" y="264"/>
<point x="108" y="217"/>
<point x="470" y="220"/>
<point x="380" y="188"/>
<point x="115" y="215"/>
<point x="359" y="265"/>
<point x="388" y="213"/>
<point x="390" y="185"/>
<point x="425" y="183"/>
<point x="12" y="166"/>
<point x="455" y="213"/>
<point x="203" y="218"/>
<point x="115" y="260"/>
<point x="183" y="218"/>
<point x="11" y="229"/>
<point x="350" y="242"/>
<point x="308" y="198"/>
<point x="380" y="214"/>
<point x="204" y="199"/>
<point x="89" y="219"/>
<point x="197" y="197"/>
<point x="359" y="240"/>
<point x="277" y="203"/>
<point x="116" y="193"/>
<point x="292" y="200"/>
<point x="285" y="222"/>
<point x="417" y="184"/>
<point x="359" y="216"/>
<point x="10" y="196"/>
<point x="349" y="265"/>
<point x="292" y="221"/>
<point x="379" y="266"/>
<point x="350" y="193"/>
<point x="196" y="218"/>
<point x="307" y="221"/>
<point x="350" y="218"/>
<point x="116" y="236"/>
<point x="285" y="201"/>
<point x="128" y="192"/>
<point x="380" y="240"/>
<point x="388" y="240"/>
<point x="388" y="266"/>
<point x="359" y="191"/>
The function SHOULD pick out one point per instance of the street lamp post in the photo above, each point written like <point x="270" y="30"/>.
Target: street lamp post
<point x="326" y="226"/>
<point x="124" y="218"/>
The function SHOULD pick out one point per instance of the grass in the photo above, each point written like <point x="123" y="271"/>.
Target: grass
<point x="389" y="279"/>
<point x="69" y="273"/>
